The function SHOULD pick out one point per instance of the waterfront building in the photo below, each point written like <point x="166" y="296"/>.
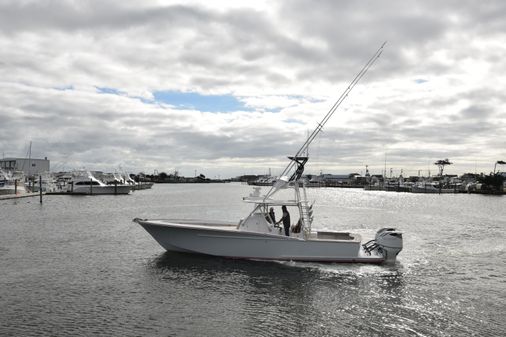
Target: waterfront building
<point x="29" y="166"/>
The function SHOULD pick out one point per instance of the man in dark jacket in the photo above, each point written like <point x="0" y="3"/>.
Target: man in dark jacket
<point x="286" y="220"/>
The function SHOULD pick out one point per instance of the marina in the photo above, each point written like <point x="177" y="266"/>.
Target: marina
<point x="493" y="183"/>
<point x="82" y="272"/>
<point x="197" y="168"/>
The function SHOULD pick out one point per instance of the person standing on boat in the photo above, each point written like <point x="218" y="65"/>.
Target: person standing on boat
<point x="286" y="220"/>
<point x="272" y="216"/>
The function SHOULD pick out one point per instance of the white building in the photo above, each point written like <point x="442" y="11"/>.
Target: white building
<point x="30" y="167"/>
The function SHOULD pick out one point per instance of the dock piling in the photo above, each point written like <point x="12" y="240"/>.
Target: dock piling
<point x="40" y="189"/>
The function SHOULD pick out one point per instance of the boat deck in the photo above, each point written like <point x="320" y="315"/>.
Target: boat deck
<point x="230" y="226"/>
<point x="326" y="235"/>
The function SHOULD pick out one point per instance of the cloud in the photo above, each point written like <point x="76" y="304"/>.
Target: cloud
<point x="238" y="85"/>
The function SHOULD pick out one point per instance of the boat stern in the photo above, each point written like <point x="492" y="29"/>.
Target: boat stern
<point x="389" y="242"/>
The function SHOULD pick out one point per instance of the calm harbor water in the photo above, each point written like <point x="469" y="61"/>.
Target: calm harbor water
<point x="78" y="266"/>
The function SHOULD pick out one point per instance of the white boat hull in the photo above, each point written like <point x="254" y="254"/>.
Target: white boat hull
<point x="431" y="189"/>
<point x="9" y="188"/>
<point x="95" y="190"/>
<point x="226" y="241"/>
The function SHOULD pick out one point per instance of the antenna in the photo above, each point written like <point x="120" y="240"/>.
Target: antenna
<point x="329" y="114"/>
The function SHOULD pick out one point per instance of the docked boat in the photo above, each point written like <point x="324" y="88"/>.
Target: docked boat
<point x="143" y="185"/>
<point x="431" y="187"/>
<point x="46" y="181"/>
<point x="12" y="182"/>
<point x="85" y="182"/>
<point x="263" y="181"/>
<point x="125" y="178"/>
<point x="259" y="236"/>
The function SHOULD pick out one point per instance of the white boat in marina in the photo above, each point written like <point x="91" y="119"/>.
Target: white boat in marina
<point x="84" y="182"/>
<point x="139" y="185"/>
<point x="125" y="178"/>
<point x="263" y="181"/>
<point x="45" y="180"/>
<point x="118" y="179"/>
<point x="430" y="187"/>
<point x="12" y="182"/>
<point x="259" y="237"/>
<point x="144" y="185"/>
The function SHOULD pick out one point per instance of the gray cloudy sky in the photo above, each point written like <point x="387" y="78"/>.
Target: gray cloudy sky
<point x="233" y="87"/>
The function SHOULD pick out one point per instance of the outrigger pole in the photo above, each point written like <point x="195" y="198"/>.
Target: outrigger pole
<point x="298" y="159"/>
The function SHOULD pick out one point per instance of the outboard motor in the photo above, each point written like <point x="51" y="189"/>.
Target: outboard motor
<point x="389" y="242"/>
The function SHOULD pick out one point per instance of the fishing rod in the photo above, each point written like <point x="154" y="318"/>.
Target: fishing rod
<point x="329" y="114"/>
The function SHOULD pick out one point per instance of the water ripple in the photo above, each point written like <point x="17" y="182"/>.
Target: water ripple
<point x="80" y="267"/>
